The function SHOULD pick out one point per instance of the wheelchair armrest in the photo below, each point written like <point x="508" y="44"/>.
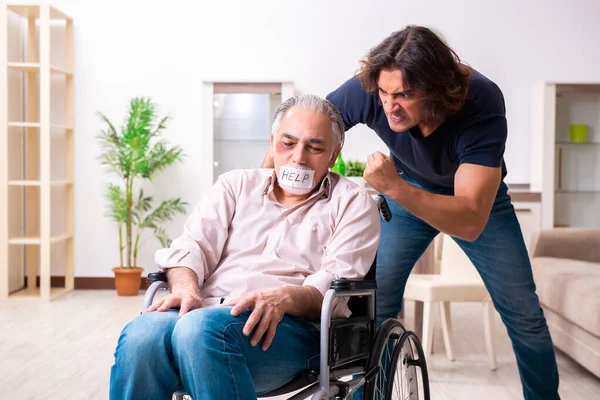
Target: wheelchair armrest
<point x="353" y="284"/>
<point x="337" y="285"/>
<point x="156" y="277"/>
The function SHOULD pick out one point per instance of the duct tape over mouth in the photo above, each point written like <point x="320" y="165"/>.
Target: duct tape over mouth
<point x="296" y="177"/>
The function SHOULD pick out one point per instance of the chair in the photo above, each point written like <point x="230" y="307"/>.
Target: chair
<point x="457" y="281"/>
<point x="352" y="347"/>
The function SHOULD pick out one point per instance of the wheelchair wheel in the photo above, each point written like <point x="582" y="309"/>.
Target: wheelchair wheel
<point x="392" y="344"/>
<point x="408" y="365"/>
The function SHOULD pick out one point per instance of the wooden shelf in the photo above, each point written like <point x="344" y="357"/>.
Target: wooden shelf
<point x="63" y="182"/>
<point x="588" y="192"/>
<point x="33" y="96"/>
<point x="35" y="294"/>
<point x="590" y="144"/>
<point x="35" y="68"/>
<point x="33" y="11"/>
<point x="38" y="125"/>
<point x="36" y="240"/>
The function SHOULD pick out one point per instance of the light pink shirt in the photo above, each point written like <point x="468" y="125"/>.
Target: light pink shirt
<point x="240" y="239"/>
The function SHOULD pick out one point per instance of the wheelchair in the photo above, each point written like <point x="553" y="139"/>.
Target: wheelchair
<point x="389" y="362"/>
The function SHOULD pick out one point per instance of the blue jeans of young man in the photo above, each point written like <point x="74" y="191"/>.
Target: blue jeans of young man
<point x="206" y="353"/>
<point x="500" y="256"/>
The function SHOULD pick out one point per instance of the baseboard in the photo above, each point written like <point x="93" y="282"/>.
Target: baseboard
<point x="86" y="282"/>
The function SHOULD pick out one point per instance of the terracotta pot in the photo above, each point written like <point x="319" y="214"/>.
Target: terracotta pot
<point x="128" y="280"/>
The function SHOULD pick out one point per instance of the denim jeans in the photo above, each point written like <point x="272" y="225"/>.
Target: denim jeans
<point x="500" y="256"/>
<point x="206" y="353"/>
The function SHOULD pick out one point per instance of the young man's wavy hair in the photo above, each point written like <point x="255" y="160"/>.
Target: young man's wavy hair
<point x="428" y="66"/>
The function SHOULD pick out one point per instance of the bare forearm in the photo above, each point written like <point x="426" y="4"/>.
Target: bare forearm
<point x="454" y="215"/>
<point x="183" y="280"/>
<point x="303" y="302"/>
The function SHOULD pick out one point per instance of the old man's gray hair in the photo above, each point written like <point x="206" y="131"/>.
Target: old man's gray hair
<point x="315" y="103"/>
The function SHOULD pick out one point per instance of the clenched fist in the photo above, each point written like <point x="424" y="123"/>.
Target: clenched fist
<point x="381" y="173"/>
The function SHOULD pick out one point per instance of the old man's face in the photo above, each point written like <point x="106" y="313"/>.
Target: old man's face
<point x="305" y="140"/>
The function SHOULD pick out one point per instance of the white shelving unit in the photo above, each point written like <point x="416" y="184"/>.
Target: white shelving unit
<point x="566" y="173"/>
<point x="32" y="186"/>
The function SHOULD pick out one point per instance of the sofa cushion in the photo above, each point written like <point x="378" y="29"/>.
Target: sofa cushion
<point x="570" y="288"/>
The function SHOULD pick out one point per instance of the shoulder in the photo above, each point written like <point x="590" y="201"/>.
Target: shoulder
<point x="354" y="103"/>
<point x="238" y="179"/>
<point x="483" y="97"/>
<point x="353" y="207"/>
<point x="481" y="127"/>
<point x="344" y="190"/>
<point x="351" y="87"/>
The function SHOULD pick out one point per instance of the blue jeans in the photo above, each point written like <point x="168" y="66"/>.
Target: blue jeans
<point x="206" y="353"/>
<point x="500" y="256"/>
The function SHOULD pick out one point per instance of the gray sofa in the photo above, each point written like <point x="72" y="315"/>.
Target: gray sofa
<point x="566" y="269"/>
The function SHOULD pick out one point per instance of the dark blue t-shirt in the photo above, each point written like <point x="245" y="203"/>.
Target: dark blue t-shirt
<point x="474" y="135"/>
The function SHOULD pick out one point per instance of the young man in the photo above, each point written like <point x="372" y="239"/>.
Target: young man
<point x="251" y="268"/>
<point x="445" y="126"/>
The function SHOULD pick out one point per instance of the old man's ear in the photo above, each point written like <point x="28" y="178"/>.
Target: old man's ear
<point x="334" y="156"/>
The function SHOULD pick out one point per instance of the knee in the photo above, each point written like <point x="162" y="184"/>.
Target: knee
<point x="144" y="336"/>
<point x="206" y="328"/>
<point x="527" y="320"/>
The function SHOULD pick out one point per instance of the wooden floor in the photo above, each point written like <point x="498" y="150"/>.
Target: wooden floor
<point x="64" y="350"/>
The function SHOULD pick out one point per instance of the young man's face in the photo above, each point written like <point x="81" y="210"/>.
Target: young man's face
<point x="305" y="140"/>
<point x="402" y="107"/>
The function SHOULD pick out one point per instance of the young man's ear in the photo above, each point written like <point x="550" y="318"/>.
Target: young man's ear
<point x="334" y="156"/>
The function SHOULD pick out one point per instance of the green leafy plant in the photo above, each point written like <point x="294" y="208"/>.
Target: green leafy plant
<point x="354" y="168"/>
<point x="135" y="154"/>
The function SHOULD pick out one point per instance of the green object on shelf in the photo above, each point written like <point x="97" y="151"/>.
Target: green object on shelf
<point x="339" y="167"/>
<point x="579" y="133"/>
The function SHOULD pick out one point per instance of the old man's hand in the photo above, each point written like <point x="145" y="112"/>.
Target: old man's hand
<point x="267" y="312"/>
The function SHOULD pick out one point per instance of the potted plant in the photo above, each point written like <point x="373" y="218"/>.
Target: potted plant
<point x="136" y="154"/>
<point x="354" y="172"/>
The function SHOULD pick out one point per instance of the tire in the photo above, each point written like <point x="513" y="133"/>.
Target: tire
<point x="392" y="344"/>
<point x="385" y="341"/>
<point x="408" y="363"/>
